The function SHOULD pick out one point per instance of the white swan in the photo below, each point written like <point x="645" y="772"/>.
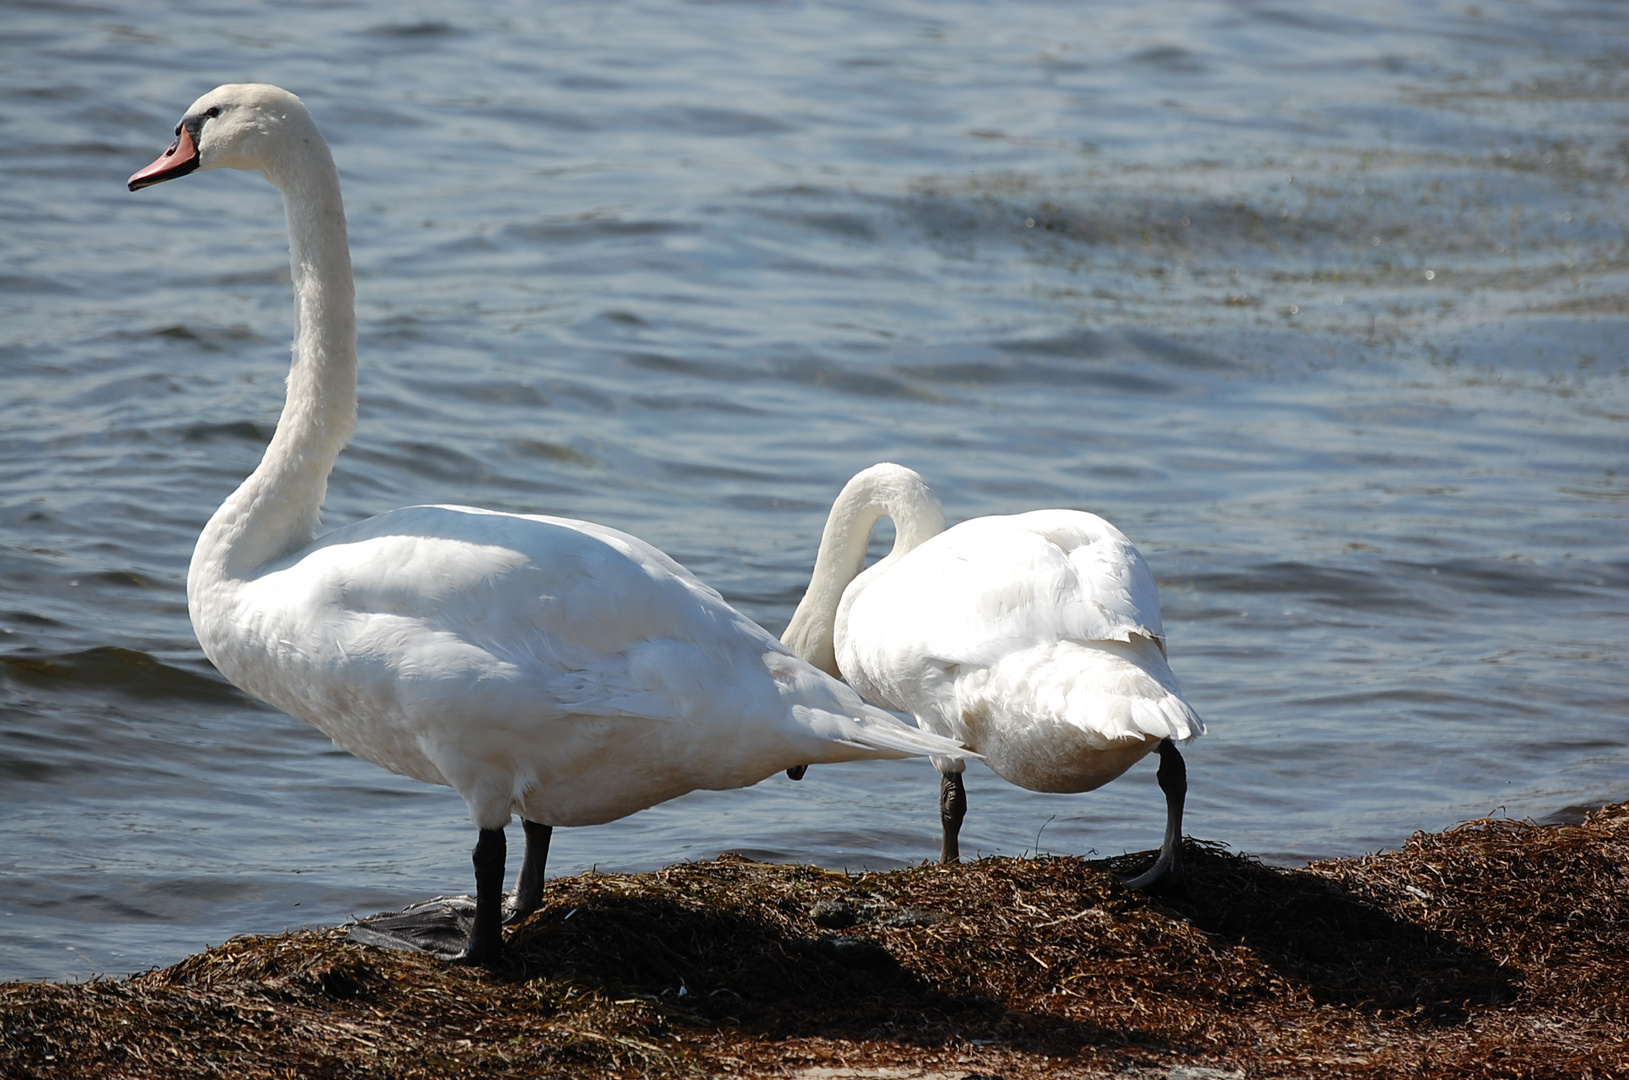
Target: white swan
<point x="1035" y="639"/>
<point x="554" y="669"/>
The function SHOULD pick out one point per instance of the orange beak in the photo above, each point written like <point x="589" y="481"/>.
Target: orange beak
<point x="180" y="159"/>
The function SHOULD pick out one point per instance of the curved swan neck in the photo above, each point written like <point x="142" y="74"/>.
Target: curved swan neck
<point x="884" y="490"/>
<point x="276" y="509"/>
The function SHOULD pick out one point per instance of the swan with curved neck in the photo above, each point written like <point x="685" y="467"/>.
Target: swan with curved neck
<point x="552" y="669"/>
<point x="1034" y="639"/>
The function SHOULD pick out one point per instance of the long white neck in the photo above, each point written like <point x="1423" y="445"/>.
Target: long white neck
<point x="884" y="490"/>
<point x="276" y="509"/>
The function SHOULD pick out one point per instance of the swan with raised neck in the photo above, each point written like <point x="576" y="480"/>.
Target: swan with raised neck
<point x="555" y="669"/>
<point x="276" y="510"/>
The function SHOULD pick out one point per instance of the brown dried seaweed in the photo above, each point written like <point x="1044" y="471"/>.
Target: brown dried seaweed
<point x="1495" y="949"/>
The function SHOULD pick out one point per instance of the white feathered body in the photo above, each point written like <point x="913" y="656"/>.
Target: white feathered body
<point x="1035" y="639"/>
<point x="553" y="668"/>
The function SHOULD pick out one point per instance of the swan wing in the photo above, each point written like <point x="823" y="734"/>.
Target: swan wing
<point x="992" y="585"/>
<point x="1014" y="626"/>
<point x="532" y="661"/>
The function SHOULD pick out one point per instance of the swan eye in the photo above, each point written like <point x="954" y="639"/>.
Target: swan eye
<point x="212" y="111"/>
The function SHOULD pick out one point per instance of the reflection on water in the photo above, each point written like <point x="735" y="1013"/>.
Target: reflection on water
<point x="1323" y="308"/>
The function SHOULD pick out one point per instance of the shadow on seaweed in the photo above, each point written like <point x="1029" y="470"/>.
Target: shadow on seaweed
<point x="1344" y="949"/>
<point x="726" y="968"/>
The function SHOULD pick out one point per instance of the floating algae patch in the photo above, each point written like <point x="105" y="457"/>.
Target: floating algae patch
<point x="1497" y="948"/>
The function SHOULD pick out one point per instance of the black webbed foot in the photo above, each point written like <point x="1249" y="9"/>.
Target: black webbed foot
<point x="1167" y="874"/>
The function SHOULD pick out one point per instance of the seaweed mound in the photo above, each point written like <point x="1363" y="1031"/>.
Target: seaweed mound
<point x="1494" y="949"/>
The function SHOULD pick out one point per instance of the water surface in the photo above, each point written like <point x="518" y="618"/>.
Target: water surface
<point x="1324" y="307"/>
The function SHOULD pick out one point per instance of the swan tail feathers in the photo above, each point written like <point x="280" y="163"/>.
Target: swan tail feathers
<point x="878" y="736"/>
<point x="1169" y="718"/>
<point x="836" y="725"/>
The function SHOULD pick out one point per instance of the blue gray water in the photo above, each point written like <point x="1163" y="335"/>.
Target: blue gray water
<point x="1324" y="304"/>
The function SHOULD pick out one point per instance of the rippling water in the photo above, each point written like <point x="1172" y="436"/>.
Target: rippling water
<point x="1323" y="304"/>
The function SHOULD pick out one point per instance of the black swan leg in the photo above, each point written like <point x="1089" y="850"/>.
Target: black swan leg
<point x="1167" y="870"/>
<point x="796" y="772"/>
<point x="486" y="935"/>
<point x="952" y="808"/>
<point x="529" y="888"/>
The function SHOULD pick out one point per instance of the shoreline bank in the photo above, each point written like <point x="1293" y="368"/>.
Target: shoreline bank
<point x="1496" y="948"/>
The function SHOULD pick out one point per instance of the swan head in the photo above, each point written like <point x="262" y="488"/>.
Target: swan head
<point x="236" y="126"/>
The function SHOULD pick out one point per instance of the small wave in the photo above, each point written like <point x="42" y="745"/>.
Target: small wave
<point x="126" y="671"/>
<point x="1504" y="577"/>
<point x="542" y="450"/>
<point x="424" y="28"/>
<point x="31" y="283"/>
<point x="1343" y="587"/>
<point x="696" y="120"/>
<point x="775" y="503"/>
<point x="590" y="230"/>
<point x="208" y="338"/>
<point x="481" y="391"/>
<point x="1079" y="345"/>
<point x="845" y="226"/>
<point x="244" y="430"/>
<point x="1169" y="58"/>
<point x="827" y="376"/>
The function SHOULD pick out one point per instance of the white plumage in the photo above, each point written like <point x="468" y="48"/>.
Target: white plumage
<point x="1035" y="638"/>
<point x="550" y="668"/>
<point x="554" y="669"/>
